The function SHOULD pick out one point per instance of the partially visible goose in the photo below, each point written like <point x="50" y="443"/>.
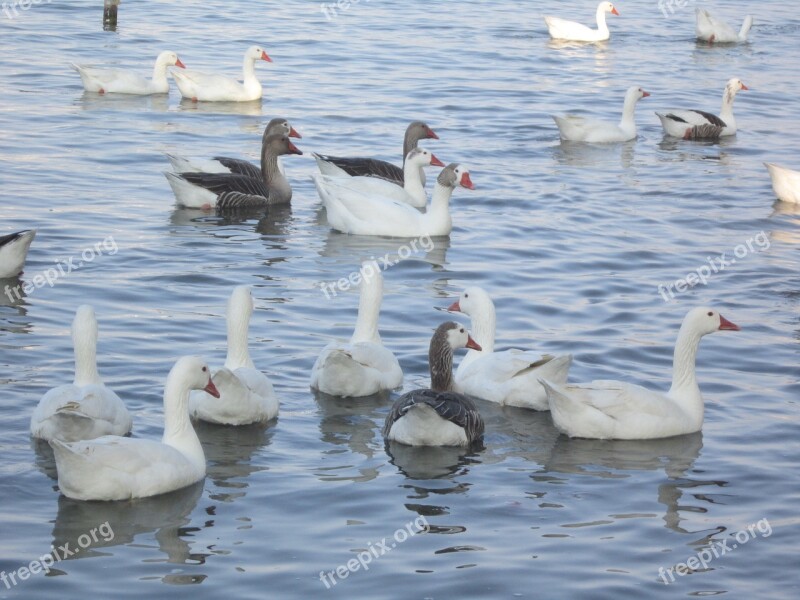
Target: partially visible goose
<point x="364" y="214"/>
<point x="509" y="377"/>
<point x="121" y="468"/>
<point x="223" y="164"/>
<point x="437" y="416"/>
<point x="230" y="191"/>
<point x="785" y="183"/>
<point x="412" y="192"/>
<point x="581" y="129"/>
<point x="561" y="29"/>
<point x="120" y="81"/>
<point x="697" y="124"/>
<point x="86" y="408"/>
<point x="370" y="167"/>
<point x="209" y="87"/>
<point x="364" y="366"/>
<point x="713" y="30"/>
<point x="624" y="411"/>
<point x="245" y="394"/>
<point x="13" y="252"/>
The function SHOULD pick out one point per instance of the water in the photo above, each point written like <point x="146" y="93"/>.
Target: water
<point x="571" y="241"/>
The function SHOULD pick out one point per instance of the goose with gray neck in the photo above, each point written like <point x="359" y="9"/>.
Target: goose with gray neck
<point x="437" y="416"/>
<point x="701" y="125"/>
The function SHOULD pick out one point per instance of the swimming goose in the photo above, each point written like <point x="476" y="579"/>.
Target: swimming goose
<point x="231" y="191"/>
<point x="697" y="124"/>
<point x="561" y="29"/>
<point x="712" y="30"/>
<point x="245" y="394"/>
<point x="223" y="164"/>
<point x="412" y="192"/>
<point x="122" y="468"/>
<point x="624" y="411"/>
<point x="364" y="214"/>
<point x="364" y="366"/>
<point x="13" y="252"/>
<point x="785" y="183"/>
<point x="86" y="408"/>
<point x="209" y="87"/>
<point x="582" y="129"/>
<point x="509" y="377"/>
<point x="437" y="416"/>
<point x="370" y="167"/>
<point x="120" y="81"/>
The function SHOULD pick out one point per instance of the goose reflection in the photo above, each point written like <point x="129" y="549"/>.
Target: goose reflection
<point x="126" y="103"/>
<point x="432" y="462"/>
<point x="349" y="249"/>
<point x="251" y="108"/>
<point x="579" y="154"/>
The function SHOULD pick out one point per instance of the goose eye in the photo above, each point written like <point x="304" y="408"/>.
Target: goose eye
<point x="204" y="369"/>
<point x="711" y="313"/>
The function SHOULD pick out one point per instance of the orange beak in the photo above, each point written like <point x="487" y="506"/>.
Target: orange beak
<point x="436" y="162"/>
<point x="473" y="344"/>
<point x="211" y="389"/>
<point x="467" y="182"/>
<point x="614" y="11"/>
<point x="293" y="133"/>
<point x="265" y="57"/>
<point x="454" y="307"/>
<point x="432" y="135"/>
<point x="724" y="325"/>
<point x="645" y="94"/>
<point x="178" y="63"/>
<point x="293" y="149"/>
<point x="744" y="87"/>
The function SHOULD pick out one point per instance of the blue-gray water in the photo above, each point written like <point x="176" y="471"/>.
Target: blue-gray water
<point x="571" y="241"/>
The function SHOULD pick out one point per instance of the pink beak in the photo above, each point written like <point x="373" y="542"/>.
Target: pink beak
<point x="473" y="344"/>
<point x="645" y="94"/>
<point x="744" y="87"/>
<point x="467" y="182"/>
<point x="454" y="307"/>
<point x="211" y="389"/>
<point x="614" y="11"/>
<point x="436" y="162"/>
<point x="724" y="325"/>
<point x="265" y="57"/>
<point x="294" y="149"/>
<point x="178" y="63"/>
<point x="293" y="133"/>
<point x="432" y="134"/>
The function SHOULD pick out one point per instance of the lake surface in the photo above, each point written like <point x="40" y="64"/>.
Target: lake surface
<point x="572" y="242"/>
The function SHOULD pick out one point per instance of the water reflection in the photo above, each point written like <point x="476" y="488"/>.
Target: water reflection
<point x="579" y="154"/>
<point x="127" y="103"/>
<point x="252" y="108"/>
<point x="431" y="462"/>
<point x="352" y="249"/>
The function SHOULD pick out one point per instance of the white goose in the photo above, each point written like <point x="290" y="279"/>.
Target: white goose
<point x="509" y="377"/>
<point x="86" y="408"/>
<point x="713" y="30"/>
<point x="412" y="192"/>
<point x="13" y="252"/>
<point x="581" y="129"/>
<point x="120" y="81"/>
<point x="246" y="395"/>
<point x="209" y="87"/>
<point x="437" y="416"/>
<point x="364" y="366"/>
<point x="697" y="124"/>
<point x="121" y="468"/>
<point x="561" y="29"/>
<point x="785" y="183"/>
<point x="619" y="410"/>
<point x="363" y="214"/>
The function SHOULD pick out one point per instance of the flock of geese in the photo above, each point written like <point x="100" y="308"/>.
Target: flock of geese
<point x="86" y="423"/>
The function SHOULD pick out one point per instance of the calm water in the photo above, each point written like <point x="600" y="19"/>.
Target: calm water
<point x="572" y="241"/>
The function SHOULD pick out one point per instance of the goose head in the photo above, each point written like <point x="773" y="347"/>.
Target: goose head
<point x="279" y="144"/>
<point x="454" y="175"/>
<point x="635" y="94"/>
<point x="420" y="131"/>
<point x="733" y="86"/>
<point x="607" y="7"/>
<point x="703" y="320"/>
<point x="281" y="125"/>
<point x="420" y="157"/>
<point x="470" y="301"/>
<point x="255" y="53"/>
<point x="193" y="373"/>
<point x="169" y="59"/>
<point x="451" y="336"/>
<point x="240" y="302"/>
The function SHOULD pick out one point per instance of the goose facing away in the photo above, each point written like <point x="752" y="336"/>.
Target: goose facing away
<point x="713" y="30"/>
<point x="121" y="81"/>
<point x="697" y="124"/>
<point x="232" y="191"/>
<point x="224" y="164"/>
<point x="209" y="87"/>
<point x="581" y="129"/>
<point x="121" y="468"/>
<point x="364" y="366"/>
<point x="437" y="416"/>
<point x="13" y="252"/>
<point x="370" y="167"/>
<point x="245" y="394"/>
<point x="509" y="377"/>
<point x="785" y="183"/>
<point x="562" y="29"/>
<point x="619" y="410"/>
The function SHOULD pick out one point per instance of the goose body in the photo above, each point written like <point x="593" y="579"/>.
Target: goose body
<point x="13" y="252"/>
<point x="581" y="129"/>
<point x="245" y="394"/>
<point x="339" y="166"/>
<point x="562" y="29"/>
<point x="437" y="416"/>
<point x="697" y="124"/>
<point x="121" y="81"/>
<point x="785" y="183"/>
<point x="509" y="377"/>
<point x="364" y="366"/>
<point x="715" y="31"/>
<point x="210" y="87"/>
<point x="86" y="408"/>
<point x="120" y="468"/>
<point x="364" y="214"/>
<point x="234" y="191"/>
<point x="619" y="410"/>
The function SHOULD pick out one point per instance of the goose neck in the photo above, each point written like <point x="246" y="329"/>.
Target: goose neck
<point x="684" y="378"/>
<point x="440" y="360"/>
<point x="440" y="199"/>
<point x="238" y="351"/>
<point x="178" y="430"/>
<point x="483" y="324"/>
<point x="369" y="307"/>
<point x="85" y="344"/>
<point x="412" y="180"/>
<point x="602" y="27"/>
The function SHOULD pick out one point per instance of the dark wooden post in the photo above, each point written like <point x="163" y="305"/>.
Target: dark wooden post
<point x="110" y="8"/>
